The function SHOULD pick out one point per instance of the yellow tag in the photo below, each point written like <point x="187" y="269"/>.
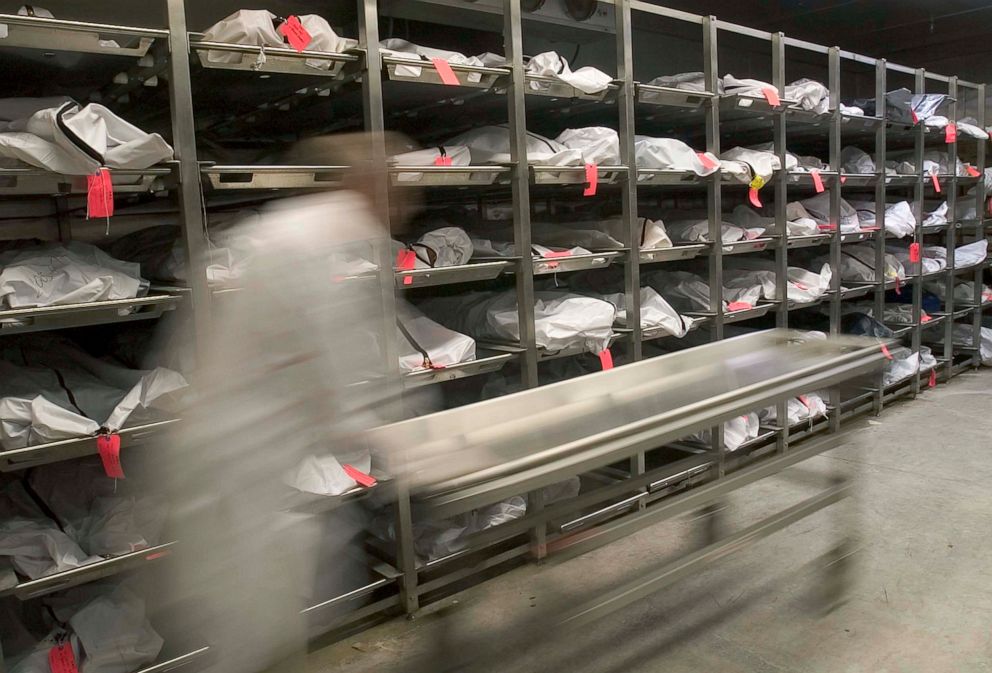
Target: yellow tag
<point x="758" y="182"/>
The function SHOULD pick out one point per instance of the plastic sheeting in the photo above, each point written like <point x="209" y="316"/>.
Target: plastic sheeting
<point x="74" y="140"/>
<point x="52" y="390"/>
<point x="459" y="155"/>
<point x="745" y="87"/>
<point x="259" y="28"/>
<point x="930" y="262"/>
<point x="819" y="209"/>
<point x="108" y="634"/>
<point x="562" y="319"/>
<point x="762" y="163"/>
<point x="970" y="254"/>
<point x="899" y="218"/>
<point x="797" y="410"/>
<point x="736" y="431"/>
<point x="963" y="292"/>
<point x="419" y="335"/>
<point x="53" y="274"/>
<point x="671" y="154"/>
<point x="599" y="145"/>
<point x="446" y="246"/>
<point x="398" y="48"/>
<point x="812" y="95"/>
<point x="798" y="221"/>
<point x="905" y="363"/>
<point x="685" y="292"/>
<point x="855" y="160"/>
<point x="698" y="231"/>
<point x="549" y="64"/>
<point x="964" y="335"/>
<point x="325" y="475"/>
<point x="857" y="263"/>
<point x="655" y="312"/>
<point x="491" y="145"/>
<point x="802" y="285"/>
<point x="687" y="81"/>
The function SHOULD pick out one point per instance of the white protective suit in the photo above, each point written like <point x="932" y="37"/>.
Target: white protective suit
<point x="71" y="139"/>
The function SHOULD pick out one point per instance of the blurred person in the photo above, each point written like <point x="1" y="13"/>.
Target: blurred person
<point x="274" y="387"/>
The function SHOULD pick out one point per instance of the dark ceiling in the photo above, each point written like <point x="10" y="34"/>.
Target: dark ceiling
<point x="945" y="36"/>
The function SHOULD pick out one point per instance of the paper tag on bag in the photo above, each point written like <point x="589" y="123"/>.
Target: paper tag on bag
<point x="951" y="133"/>
<point x="109" y="448"/>
<point x="406" y="259"/>
<point x="366" y="480"/>
<point x="445" y="72"/>
<point x="914" y="252"/>
<point x="592" y="180"/>
<point x="295" y="34"/>
<point x="936" y="182"/>
<point x="771" y="95"/>
<point x="99" y="194"/>
<point x="707" y="161"/>
<point x="752" y="196"/>
<point x="61" y="659"/>
<point x="606" y="359"/>
<point x="817" y="181"/>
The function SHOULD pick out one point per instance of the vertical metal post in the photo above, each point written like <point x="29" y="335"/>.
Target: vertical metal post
<point x="979" y="219"/>
<point x="833" y="79"/>
<point x="916" y="279"/>
<point x="714" y="207"/>
<point x="520" y="189"/>
<point x="781" y="225"/>
<point x="628" y="195"/>
<point x="64" y="219"/>
<point x="374" y="124"/>
<point x="880" y="197"/>
<point x="190" y="195"/>
<point x="950" y="239"/>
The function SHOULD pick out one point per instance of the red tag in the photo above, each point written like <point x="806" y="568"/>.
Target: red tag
<point x="804" y="400"/>
<point x="99" y="194"/>
<point x="885" y="352"/>
<point x="933" y="378"/>
<point x="606" y="359"/>
<point x="109" y="447"/>
<point x="550" y="254"/>
<point x="771" y="95"/>
<point x="924" y="318"/>
<point x="951" y="133"/>
<point x="817" y="180"/>
<point x="972" y="171"/>
<point x="442" y="160"/>
<point x="898" y="286"/>
<point x="408" y="280"/>
<point x="827" y="227"/>
<point x="406" y="259"/>
<point x="707" y="161"/>
<point x="739" y="306"/>
<point x="592" y="177"/>
<point x="914" y="252"/>
<point x="936" y="182"/>
<point x="366" y="480"/>
<point x="912" y="114"/>
<point x="295" y="33"/>
<point x="752" y="196"/>
<point x="800" y="286"/>
<point x="444" y="70"/>
<point x="61" y="659"/>
<point x="843" y="179"/>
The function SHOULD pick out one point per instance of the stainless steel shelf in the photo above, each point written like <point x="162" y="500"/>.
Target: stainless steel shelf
<point x="540" y="85"/>
<point x="52" y="452"/>
<point x="483" y="364"/>
<point x="477" y="77"/>
<point x="656" y="255"/>
<point x="647" y="177"/>
<point x="90" y="572"/>
<point x="575" y="175"/>
<point x="177" y="662"/>
<point x="672" y="97"/>
<point x="18" y="321"/>
<point x="599" y="260"/>
<point x="283" y="60"/>
<point x="747" y="314"/>
<point x="447" y="176"/>
<point x="858" y="236"/>
<point x="808" y="241"/>
<point x="742" y="247"/>
<point x="39" y="182"/>
<point x="35" y="32"/>
<point x="447" y="275"/>
<point x="224" y="177"/>
<point x="857" y="291"/>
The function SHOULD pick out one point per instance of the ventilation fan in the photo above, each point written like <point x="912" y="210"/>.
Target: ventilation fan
<point x="580" y="10"/>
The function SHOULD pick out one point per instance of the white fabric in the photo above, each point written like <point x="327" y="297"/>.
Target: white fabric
<point x="811" y="95"/>
<point x="969" y="128"/>
<point x="599" y="145"/>
<point x="54" y="274"/>
<point x="587" y="80"/>
<point x="654" y="235"/>
<point x="444" y="346"/>
<point x="736" y="171"/>
<point x="799" y="220"/>
<point x="491" y="145"/>
<point x="35" y="407"/>
<point x="936" y="121"/>
<point x="671" y="154"/>
<point x="937" y="216"/>
<point x="655" y="312"/>
<point x="852" y="110"/>
<point x="39" y="141"/>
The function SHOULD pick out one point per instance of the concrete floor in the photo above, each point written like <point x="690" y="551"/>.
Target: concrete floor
<point x="920" y="599"/>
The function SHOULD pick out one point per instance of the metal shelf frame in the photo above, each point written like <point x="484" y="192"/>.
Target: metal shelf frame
<point x="189" y="179"/>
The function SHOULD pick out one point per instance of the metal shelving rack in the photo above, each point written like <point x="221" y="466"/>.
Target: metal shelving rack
<point x="399" y="581"/>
